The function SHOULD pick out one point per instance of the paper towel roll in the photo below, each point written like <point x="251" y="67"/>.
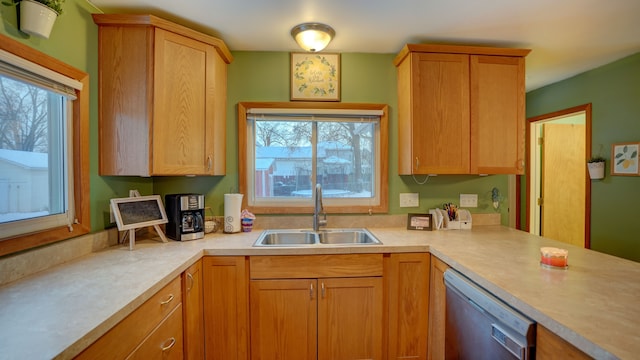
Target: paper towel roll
<point x="232" y="209"/>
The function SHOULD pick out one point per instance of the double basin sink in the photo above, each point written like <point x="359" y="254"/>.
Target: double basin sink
<point x="301" y="237"/>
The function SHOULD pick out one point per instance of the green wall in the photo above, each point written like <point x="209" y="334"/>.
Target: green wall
<point x="614" y="92"/>
<point x="253" y="76"/>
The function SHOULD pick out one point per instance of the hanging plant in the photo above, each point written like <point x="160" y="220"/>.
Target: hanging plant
<point x="55" y="5"/>
<point x="596" y="166"/>
<point x="37" y="16"/>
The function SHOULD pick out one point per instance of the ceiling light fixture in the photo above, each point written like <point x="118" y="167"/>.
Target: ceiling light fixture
<point x="313" y="36"/>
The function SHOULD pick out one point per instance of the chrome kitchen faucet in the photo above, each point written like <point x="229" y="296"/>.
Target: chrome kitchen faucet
<point x="318" y="208"/>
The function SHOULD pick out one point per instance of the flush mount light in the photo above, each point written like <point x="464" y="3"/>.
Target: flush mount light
<point x="313" y="36"/>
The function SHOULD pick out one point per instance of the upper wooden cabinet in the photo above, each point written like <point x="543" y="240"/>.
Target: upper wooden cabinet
<point x="461" y="110"/>
<point x="162" y="101"/>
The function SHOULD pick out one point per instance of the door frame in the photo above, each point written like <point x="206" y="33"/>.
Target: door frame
<point x="586" y="108"/>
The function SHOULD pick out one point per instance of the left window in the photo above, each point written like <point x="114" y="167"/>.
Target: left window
<point x="42" y="166"/>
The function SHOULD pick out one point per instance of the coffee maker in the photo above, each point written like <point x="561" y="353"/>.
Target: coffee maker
<point x="185" y="213"/>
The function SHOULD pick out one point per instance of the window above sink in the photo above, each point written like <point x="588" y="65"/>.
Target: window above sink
<point x="287" y="148"/>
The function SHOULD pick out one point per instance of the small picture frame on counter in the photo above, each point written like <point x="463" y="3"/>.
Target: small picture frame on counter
<point x="419" y="222"/>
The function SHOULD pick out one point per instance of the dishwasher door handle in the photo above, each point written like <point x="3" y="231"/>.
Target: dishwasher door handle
<point x="513" y="346"/>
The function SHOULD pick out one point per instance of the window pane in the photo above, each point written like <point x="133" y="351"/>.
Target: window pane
<point x="345" y="161"/>
<point x="283" y="164"/>
<point x="344" y="153"/>
<point x="32" y="152"/>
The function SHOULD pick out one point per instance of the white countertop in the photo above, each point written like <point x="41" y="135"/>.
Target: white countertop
<point x="594" y="305"/>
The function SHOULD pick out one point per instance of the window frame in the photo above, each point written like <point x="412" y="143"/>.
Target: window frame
<point x="80" y="138"/>
<point x="382" y="207"/>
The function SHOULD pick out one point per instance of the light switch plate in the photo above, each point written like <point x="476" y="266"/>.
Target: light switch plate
<point x="468" y="200"/>
<point x="409" y="200"/>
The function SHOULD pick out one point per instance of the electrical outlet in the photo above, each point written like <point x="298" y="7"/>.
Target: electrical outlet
<point x="468" y="200"/>
<point x="409" y="200"/>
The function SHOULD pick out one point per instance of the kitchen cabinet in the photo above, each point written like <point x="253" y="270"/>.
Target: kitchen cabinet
<point x="317" y="306"/>
<point x="193" y="312"/>
<point x="226" y="307"/>
<point x="162" y="98"/>
<point x="407" y="279"/>
<point x="551" y="346"/>
<point x="461" y="109"/>
<point x="437" y="309"/>
<point x="152" y="331"/>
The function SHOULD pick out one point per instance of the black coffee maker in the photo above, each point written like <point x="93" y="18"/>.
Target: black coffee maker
<point x="185" y="213"/>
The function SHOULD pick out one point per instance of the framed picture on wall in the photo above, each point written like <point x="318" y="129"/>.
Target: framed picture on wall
<point x="315" y="77"/>
<point x="624" y="159"/>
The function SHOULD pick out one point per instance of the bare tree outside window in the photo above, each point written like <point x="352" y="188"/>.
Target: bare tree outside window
<point x="23" y="116"/>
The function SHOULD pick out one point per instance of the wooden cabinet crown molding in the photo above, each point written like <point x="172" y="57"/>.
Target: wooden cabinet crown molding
<point x="458" y="49"/>
<point x="151" y="20"/>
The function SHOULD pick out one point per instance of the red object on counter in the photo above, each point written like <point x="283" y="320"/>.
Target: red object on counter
<point x="554" y="257"/>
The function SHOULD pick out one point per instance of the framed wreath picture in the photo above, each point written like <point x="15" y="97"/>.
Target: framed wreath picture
<point x="315" y="77"/>
<point x="624" y="159"/>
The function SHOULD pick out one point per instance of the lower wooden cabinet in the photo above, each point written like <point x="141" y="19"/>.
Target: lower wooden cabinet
<point x="407" y="279"/>
<point x="153" y="330"/>
<point x="226" y="307"/>
<point x="313" y="314"/>
<point x="284" y="318"/>
<point x="165" y="342"/>
<point x="437" y="309"/>
<point x="193" y="312"/>
<point x="551" y="346"/>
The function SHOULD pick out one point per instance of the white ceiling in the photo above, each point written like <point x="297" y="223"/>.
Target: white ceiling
<point x="567" y="37"/>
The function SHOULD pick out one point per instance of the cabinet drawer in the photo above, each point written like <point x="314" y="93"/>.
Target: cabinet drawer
<point x="123" y="338"/>
<point x="315" y="266"/>
<point x="165" y="342"/>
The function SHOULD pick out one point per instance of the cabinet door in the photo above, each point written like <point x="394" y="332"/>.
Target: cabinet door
<point x="284" y="319"/>
<point x="181" y="91"/>
<point x="408" y="288"/>
<point x="226" y="308"/>
<point x="350" y="318"/>
<point x="193" y="312"/>
<point x="440" y="120"/>
<point x="551" y="346"/>
<point x="437" y="309"/>
<point x="497" y="115"/>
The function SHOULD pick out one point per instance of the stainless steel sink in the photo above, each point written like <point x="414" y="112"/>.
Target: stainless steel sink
<point x="301" y="237"/>
<point x="348" y="236"/>
<point x="286" y="238"/>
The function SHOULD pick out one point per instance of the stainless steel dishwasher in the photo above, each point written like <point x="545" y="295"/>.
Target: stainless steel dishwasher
<point x="481" y="326"/>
